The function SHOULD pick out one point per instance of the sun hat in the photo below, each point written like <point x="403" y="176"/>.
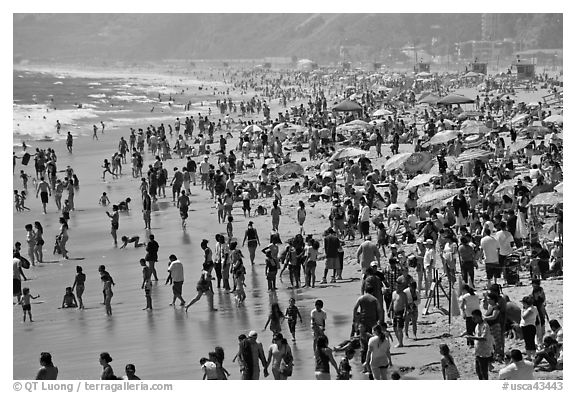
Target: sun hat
<point x="374" y="263"/>
<point x="429" y="241"/>
<point x="253" y="333"/>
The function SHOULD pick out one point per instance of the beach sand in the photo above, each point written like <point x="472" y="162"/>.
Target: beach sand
<point x="167" y="342"/>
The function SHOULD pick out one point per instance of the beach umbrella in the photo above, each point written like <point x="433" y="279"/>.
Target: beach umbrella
<point x="419" y="161"/>
<point x="347" y="106"/>
<point x="396" y="161"/>
<point x="252" y="128"/>
<point x="357" y="123"/>
<point x="509" y="184"/>
<point x="532" y="105"/>
<point x="443" y="137"/>
<point x="433" y="197"/>
<point x="290" y="168"/>
<point x="554" y="119"/>
<point x="429" y="99"/>
<point x="455" y="99"/>
<point x="519" y="118"/>
<point x="559" y="188"/>
<point x="382" y="112"/>
<point x="284" y="125"/>
<point x="519" y="145"/>
<point x="347" y="152"/>
<point x="377" y="122"/>
<point x="475" y="154"/>
<point x="475" y="129"/>
<point x="547" y="199"/>
<point x="475" y="140"/>
<point x="422" y="178"/>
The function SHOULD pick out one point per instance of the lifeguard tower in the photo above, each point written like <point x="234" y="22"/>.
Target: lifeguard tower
<point x="480" y="68"/>
<point x="524" y="69"/>
<point x="422" y="67"/>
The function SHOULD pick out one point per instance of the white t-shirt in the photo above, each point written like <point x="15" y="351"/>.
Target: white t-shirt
<point x="364" y="213"/>
<point x="429" y="257"/>
<point x="210" y="369"/>
<point x="504" y="239"/>
<point x="318" y="318"/>
<point x="379" y="349"/>
<point x="490" y="246"/>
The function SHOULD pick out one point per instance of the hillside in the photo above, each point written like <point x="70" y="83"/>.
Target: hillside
<point x="100" y="37"/>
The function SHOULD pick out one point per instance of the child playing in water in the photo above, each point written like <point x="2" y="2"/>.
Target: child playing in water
<point x="24" y="177"/>
<point x="292" y="313"/>
<point x="25" y="302"/>
<point x="104" y="201"/>
<point x="22" y="200"/>
<point x="17" y="201"/>
<point x="133" y="239"/>
<point x="69" y="300"/>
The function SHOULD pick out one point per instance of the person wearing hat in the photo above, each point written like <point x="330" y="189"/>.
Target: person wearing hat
<point x="253" y="357"/>
<point x="367" y="252"/>
<point x="429" y="264"/>
<point x="556" y="257"/>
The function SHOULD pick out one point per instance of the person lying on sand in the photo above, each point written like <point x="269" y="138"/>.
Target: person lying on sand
<point x="133" y="239"/>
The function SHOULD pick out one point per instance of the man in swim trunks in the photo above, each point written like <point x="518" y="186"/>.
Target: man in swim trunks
<point x="45" y="191"/>
<point x="398" y="312"/>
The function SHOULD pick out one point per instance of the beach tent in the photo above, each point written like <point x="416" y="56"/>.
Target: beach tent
<point x="347" y="106"/>
<point x="396" y="161"/>
<point x="382" y="112"/>
<point x="443" y="137"/>
<point x="547" y="199"/>
<point x="290" y="168"/>
<point x="455" y="99"/>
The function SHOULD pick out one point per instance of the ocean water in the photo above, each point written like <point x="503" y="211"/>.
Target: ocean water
<point x="79" y="100"/>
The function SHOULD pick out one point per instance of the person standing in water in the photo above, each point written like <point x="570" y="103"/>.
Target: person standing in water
<point x="44" y="190"/>
<point x="114" y="222"/>
<point x="79" y="281"/>
<point x="146" y="283"/>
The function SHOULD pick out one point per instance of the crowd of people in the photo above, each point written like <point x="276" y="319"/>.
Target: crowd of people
<point x="482" y="221"/>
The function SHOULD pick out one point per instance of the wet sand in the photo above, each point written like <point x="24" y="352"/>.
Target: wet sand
<point x="167" y="342"/>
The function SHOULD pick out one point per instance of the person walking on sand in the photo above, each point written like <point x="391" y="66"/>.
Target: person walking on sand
<point x="253" y="241"/>
<point x="378" y="357"/>
<point x="63" y="237"/>
<point x="69" y="142"/>
<point x="301" y="216"/>
<point x="44" y="190"/>
<point x="182" y="204"/>
<point x="106" y="167"/>
<point x="95" y="132"/>
<point x="152" y="255"/>
<point x="146" y="283"/>
<point x="204" y="287"/>
<point x="147" y="210"/>
<point x="176" y="276"/>
<point x="398" y="309"/>
<point x="79" y="281"/>
<point x="275" y="212"/>
<point x="114" y="223"/>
